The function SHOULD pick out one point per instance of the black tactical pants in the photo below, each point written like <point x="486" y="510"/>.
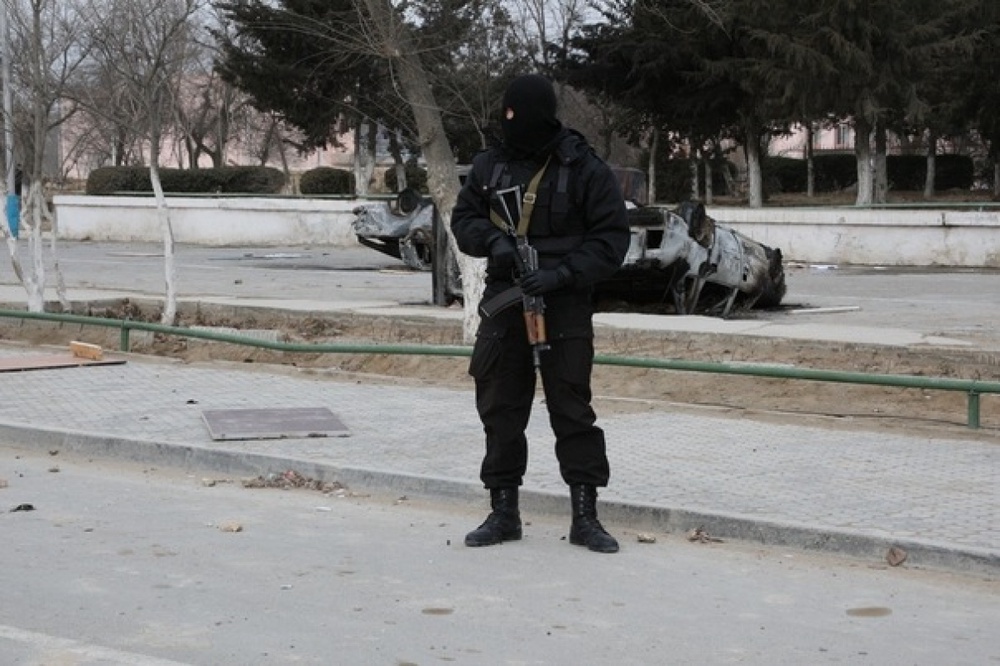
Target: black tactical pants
<point x="505" y="389"/>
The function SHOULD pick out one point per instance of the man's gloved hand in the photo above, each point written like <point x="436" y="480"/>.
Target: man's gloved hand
<point x="545" y="280"/>
<point x="503" y="252"/>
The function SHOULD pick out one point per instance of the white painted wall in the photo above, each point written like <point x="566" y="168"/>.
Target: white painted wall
<point x="893" y="237"/>
<point x="914" y="237"/>
<point x="209" y="221"/>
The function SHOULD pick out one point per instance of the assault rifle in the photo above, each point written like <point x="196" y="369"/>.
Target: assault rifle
<point x="526" y="261"/>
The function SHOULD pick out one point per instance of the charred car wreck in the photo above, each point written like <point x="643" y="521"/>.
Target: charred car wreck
<point x="679" y="260"/>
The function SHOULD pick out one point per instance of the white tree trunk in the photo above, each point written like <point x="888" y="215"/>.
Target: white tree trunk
<point x="881" y="165"/>
<point x="755" y="179"/>
<point x="863" y="154"/>
<point x="360" y="182"/>
<point x="654" y="146"/>
<point x="930" y="178"/>
<point x="709" y="192"/>
<point x="56" y="268"/>
<point x="364" y="157"/>
<point x="31" y="225"/>
<point x="695" y="175"/>
<point x="810" y="163"/>
<point x="169" y="315"/>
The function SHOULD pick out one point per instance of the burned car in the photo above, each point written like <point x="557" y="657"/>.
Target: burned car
<point x="684" y="259"/>
<point x="402" y="228"/>
<point x="679" y="260"/>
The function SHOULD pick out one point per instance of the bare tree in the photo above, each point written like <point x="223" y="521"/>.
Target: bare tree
<point x="51" y="48"/>
<point x="146" y="45"/>
<point x="391" y="38"/>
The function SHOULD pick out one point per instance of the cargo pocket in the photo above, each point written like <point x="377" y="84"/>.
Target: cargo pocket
<point x="485" y="354"/>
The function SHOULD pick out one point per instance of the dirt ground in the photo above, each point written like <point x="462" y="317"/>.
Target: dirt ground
<point x="616" y="389"/>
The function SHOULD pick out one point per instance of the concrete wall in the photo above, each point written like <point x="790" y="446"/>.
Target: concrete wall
<point x="209" y="221"/>
<point x="892" y="237"/>
<point x="914" y="237"/>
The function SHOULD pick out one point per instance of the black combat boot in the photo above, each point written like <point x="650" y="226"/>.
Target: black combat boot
<point x="503" y="523"/>
<point x="586" y="530"/>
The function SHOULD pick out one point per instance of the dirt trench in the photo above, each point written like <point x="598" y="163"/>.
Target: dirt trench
<point x="617" y="389"/>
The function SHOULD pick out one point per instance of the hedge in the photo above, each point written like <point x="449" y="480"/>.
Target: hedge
<point x="909" y="172"/>
<point x="226" y="180"/>
<point x="416" y="178"/>
<point x="784" y="174"/>
<point x="835" y="172"/>
<point x="326" y="180"/>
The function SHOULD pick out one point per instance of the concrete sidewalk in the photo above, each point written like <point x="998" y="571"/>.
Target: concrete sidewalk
<point x="855" y="492"/>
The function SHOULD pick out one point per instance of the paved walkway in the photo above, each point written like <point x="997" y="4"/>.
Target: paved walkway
<point x="852" y="492"/>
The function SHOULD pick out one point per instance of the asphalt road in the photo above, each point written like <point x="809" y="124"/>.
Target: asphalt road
<point x="129" y="565"/>
<point x="949" y="302"/>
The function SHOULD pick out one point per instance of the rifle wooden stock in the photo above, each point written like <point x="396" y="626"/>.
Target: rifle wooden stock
<point x="534" y="306"/>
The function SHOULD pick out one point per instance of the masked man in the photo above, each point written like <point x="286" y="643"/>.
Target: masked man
<point x="575" y="220"/>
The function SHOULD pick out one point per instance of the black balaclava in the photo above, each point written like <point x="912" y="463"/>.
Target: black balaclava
<point x="528" y="115"/>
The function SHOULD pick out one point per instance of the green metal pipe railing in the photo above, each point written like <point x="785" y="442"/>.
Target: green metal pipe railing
<point x="972" y="388"/>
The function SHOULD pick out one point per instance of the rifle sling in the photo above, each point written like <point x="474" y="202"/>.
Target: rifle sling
<point x="529" y="204"/>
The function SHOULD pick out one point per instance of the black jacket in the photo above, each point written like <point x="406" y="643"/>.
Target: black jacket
<point x="579" y="220"/>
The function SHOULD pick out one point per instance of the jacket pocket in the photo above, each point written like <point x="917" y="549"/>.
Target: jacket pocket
<point x="485" y="354"/>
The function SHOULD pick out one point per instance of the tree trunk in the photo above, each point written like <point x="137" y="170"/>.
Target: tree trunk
<point x="31" y="219"/>
<point x="396" y="149"/>
<point x="360" y="155"/>
<point x="810" y="164"/>
<point x="695" y="175"/>
<point x="35" y="285"/>
<point x="755" y="179"/>
<point x="929" y="184"/>
<point x="881" y="165"/>
<point x="863" y="154"/>
<point x="442" y="176"/>
<point x="654" y="146"/>
<point x="169" y="315"/>
<point x="709" y="192"/>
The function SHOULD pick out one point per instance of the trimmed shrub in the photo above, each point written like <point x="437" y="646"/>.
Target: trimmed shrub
<point x="108" y="180"/>
<point x="673" y="180"/>
<point x="909" y="172"/>
<point x="785" y="174"/>
<point x="256" y="179"/>
<point x="906" y="172"/>
<point x="954" y="172"/>
<point x="835" y="172"/>
<point x="416" y="178"/>
<point x="327" y="180"/>
<point x="227" y="180"/>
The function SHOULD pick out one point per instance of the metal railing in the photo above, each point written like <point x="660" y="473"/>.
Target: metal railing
<point x="971" y="387"/>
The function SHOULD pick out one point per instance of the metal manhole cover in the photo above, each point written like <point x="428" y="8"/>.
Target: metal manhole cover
<point x="292" y="423"/>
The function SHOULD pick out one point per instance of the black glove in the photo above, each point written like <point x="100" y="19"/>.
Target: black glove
<point x="503" y="252"/>
<point x="545" y="280"/>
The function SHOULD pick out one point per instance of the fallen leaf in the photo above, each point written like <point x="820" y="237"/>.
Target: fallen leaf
<point x="231" y="527"/>
<point x="895" y="556"/>
<point x="701" y="536"/>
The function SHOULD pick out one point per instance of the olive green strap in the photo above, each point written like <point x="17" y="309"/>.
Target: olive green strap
<point x="529" y="204"/>
<point x="529" y="199"/>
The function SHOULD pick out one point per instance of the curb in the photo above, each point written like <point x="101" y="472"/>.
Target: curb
<point x="632" y="515"/>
